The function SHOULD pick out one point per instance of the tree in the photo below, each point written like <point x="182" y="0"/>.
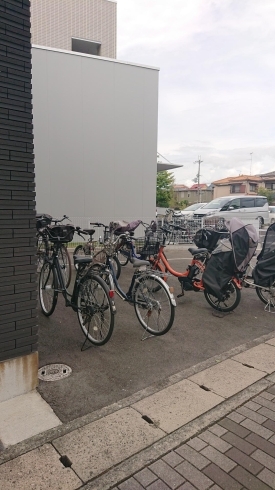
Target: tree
<point x="269" y="194"/>
<point x="165" y="189"/>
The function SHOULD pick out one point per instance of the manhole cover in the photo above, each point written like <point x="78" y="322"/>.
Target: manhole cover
<point x="54" y="372"/>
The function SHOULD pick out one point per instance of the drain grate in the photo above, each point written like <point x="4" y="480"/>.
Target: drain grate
<point x="54" y="372"/>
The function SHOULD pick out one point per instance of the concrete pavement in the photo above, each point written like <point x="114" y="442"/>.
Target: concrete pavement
<point x="209" y="426"/>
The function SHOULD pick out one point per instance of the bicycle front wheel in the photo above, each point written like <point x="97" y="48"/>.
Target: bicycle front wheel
<point x="48" y="289"/>
<point x="65" y="265"/>
<point x="95" y="310"/>
<point x="230" y="300"/>
<point x="41" y="251"/>
<point x="153" y="305"/>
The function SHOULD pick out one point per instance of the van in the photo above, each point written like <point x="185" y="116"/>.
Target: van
<point x="246" y="208"/>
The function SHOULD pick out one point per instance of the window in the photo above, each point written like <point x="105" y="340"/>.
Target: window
<point x="253" y="187"/>
<point x="235" y="204"/>
<point x="235" y="188"/>
<point x="270" y="185"/>
<point x="86" y="46"/>
<point x="248" y="202"/>
<point x="260" y="202"/>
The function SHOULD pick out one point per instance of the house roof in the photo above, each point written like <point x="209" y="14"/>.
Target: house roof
<point x="238" y="180"/>
<point x="197" y="186"/>
<point x="180" y="186"/>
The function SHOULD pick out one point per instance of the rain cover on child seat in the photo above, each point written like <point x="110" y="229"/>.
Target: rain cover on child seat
<point x="264" y="271"/>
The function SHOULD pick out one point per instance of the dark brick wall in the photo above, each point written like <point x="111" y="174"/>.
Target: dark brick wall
<point x="18" y="305"/>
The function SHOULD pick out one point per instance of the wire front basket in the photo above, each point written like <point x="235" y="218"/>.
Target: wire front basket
<point x="147" y="246"/>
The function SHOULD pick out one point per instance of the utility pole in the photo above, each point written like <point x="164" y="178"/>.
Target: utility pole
<point x="251" y="162"/>
<point x="199" y="161"/>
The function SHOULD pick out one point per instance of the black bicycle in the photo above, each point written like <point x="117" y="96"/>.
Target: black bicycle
<point x="44" y="247"/>
<point x="91" y="299"/>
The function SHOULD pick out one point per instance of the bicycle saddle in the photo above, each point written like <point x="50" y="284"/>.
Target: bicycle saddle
<point x="196" y="251"/>
<point x="138" y="262"/>
<point x="90" y="232"/>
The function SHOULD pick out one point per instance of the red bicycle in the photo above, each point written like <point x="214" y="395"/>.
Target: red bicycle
<point x="191" y="279"/>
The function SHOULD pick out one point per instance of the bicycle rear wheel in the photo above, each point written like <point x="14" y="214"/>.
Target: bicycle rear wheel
<point x="48" y="289"/>
<point x="123" y="255"/>
<point x="65" y="264"/>
<point x="230" y="300"/>
<point x="95" y="310"/>
<point x="266" y="295"/>
<point x="153" y="306"/>
<point x="101" y="258"/>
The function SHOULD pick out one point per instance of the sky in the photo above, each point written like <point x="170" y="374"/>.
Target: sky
<point x="216" y="81"/>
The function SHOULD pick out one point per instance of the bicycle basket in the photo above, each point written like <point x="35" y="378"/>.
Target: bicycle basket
<point x="43" y="220"/>
<point x="147" y="246"/>
<point x="61" y="233"/>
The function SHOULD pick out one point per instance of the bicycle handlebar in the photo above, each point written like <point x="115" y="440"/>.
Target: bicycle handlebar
<point x="60" y="220"/>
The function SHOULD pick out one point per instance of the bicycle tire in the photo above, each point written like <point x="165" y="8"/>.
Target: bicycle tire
<point x="153" y="306"/>
<point x="268" y="299"/>
<point x="65" y="264"/>
<point x="95" y="310"/>
<point x="41" y="252"/>
<point x="101" y="257"/>
<point x="123" y="259"/>
<point x="48" y="293"/>
<point x="224" y="306"/>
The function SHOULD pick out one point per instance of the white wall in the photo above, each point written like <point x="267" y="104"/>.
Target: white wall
<point x="95" y="136"/>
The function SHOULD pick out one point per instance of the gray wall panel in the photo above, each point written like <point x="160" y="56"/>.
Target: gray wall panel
<point x="95" y="131"/>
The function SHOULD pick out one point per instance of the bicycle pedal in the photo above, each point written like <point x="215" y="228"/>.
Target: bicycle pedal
<point x="180" y="295"/>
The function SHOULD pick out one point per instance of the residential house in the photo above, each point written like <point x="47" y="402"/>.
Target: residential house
<point x="193" y="194"/>
<point x="242" y="184"/>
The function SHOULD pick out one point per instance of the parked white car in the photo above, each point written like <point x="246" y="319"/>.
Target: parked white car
<point x="188" y="212"/>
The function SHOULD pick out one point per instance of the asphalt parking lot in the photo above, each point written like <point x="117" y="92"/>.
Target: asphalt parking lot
<point x="126" y="364"/>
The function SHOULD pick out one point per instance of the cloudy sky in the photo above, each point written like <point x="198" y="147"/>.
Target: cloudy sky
<point x="216" y="81"/>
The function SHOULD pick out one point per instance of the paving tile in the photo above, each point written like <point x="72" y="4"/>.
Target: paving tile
<point x="252" y="405"/>
<point x="173" y="459"/>
<point x="244" y="460"/>
<point x="272" y="439"/>
<point x="145" y="477"/>
<point x="158" y="485"/>
<point x="196" y="477"/>
<point x="267" y="413"/>
<point x="268" y="396"/>
<point x="264" y="459"/>
<point x="262" y="444"/>
<point x="261" y="357"/>
<point x="195" y="458"/>
<point x="257" y="428"/>
<point x="97" y="446"/>
<point x="271" y="341"/>
<point x="167" y="474"/>
<point x="221" y="478"/>
<point x="250" y="414"/>
<point x="233" y="427"/>
<point x="218" y="458"/>
<point x="268" y="477"/>
<point x="236" y="417"/>
<point x="176" y="405"/>
<point x="249" y="481"/>
<point x="265" y="403"/>
<point x="40" y="468"/>
<point x="215" y="441"/>
<point x="238" y="442"/>
<point x="227" y="378"/>
<point x="187" y="486"/>
<point x="271" y="389"/>
<point x="197" y="443"/>
<point x="217" y="430"/>
<point x="269" y="424"/>
<point x="130" y="484"/>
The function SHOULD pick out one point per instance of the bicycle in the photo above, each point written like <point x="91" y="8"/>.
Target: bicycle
<point x="191" y="279"/>
<point x="43" y="222"/>
<point x="91" y="299"/>
<point x="153" y="300"/>
<point x="126" y="250"/>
